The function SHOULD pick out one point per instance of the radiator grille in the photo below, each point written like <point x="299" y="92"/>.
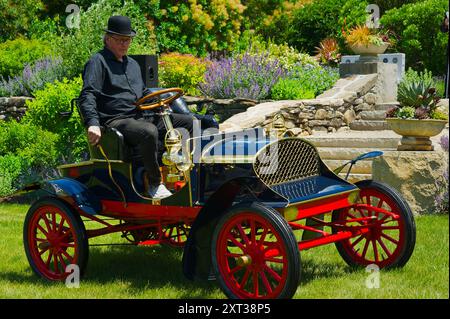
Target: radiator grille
<point x="286" y="160"/>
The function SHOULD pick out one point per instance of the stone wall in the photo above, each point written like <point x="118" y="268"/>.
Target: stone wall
<point x="350" y="99"/>
<point x="13" y="107"/>
<point x="223" y="108"/>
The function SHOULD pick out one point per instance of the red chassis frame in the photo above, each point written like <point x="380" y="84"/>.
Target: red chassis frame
<point x="164" y="216"/>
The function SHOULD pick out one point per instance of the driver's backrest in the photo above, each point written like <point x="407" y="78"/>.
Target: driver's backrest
<point x="112" y="142"/>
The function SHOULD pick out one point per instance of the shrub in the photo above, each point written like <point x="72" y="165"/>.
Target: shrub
<point x="247" y="76"/>
<point x="76" y="46"/>
<point x="198" y="26"/>
<point x="278" y="22"/>
<point x="10" y="168"/>
<point x="314" y="22"/>
<point x="287" y="56"/>
<point x="290" y="89"/>
<point x="33" y="78"/>
<point x="15" y="54"/>
<point x="315" y="79"/>
<point x="420" y="38"/>
<point x="44" y="111"/>
<point x="34" y="145"/>
<point x="24" y="149"/>
<point x="16" y="17"/>
<point x="182" y="70"/>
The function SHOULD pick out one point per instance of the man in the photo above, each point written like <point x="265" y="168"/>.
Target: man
<point x="112" y="83"/>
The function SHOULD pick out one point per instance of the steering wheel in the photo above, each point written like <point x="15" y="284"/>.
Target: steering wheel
<point x="164" y="102"/>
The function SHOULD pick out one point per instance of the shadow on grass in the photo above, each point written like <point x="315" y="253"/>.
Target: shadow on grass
<point x="313" y="270"/>
<point x="142" y="268"/>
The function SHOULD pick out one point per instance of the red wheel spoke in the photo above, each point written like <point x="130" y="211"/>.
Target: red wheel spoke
<point x="234" y="241"/>
<point x="255" y="284"/>
<point x="265" y="282"/>
<point x="69" y="258"/>
<point x="390" y="227"/>
<point x="54" y="221"/>
<point x="72" y="245"/>
<point x="242" y="233"/>
<point x="49" y="259"/>
<point x="63" y="264"/>
<point x="42" y="230"/>
<point x="263" y="236"/>
<point x="375" y="250"/>
<point x="253" y="231"/>
<point x="55" y="263"/>
<point x="245" y="278"/>
<point x="386" y="250"/>
<point x="235" y="269"/>
<point x="357" y="241"/>
<point x="44" y="250"/>
<point x="275" y="260"/>
<point x="234" y="255"/>
<point x="47" y="223"/>
<point x="61" y="224"/>
<point x="273" y="273"/>
<point x="366" y="245"/>
<point x="389" y="238"/>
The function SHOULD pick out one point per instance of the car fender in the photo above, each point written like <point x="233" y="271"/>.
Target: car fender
<point x="72" y="192"/>
<point x="197" y="251"/>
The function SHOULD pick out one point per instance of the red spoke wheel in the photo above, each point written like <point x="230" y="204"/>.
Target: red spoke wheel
<point x="176" y="235"/>
<point x="54" y="237"/>
<point x="389" y="241"/>
<point x="255" y="254"/>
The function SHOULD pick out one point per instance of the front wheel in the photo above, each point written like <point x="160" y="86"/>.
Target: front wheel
<point x="54" y="238"/>
<point x="255" y="254"/>
<point x="390" y="240"/>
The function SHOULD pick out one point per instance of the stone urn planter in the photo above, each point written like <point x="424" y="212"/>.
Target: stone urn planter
<point x="416" y="133"/>
<point x="369" y="52"/>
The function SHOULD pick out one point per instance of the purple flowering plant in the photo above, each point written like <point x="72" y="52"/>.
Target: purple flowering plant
<point x="34" y="77"/>
<point x="248" y="76"/>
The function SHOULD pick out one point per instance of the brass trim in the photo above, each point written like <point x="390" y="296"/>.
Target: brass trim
<point x="154" y="201"/>
<point x="85" y="163"/>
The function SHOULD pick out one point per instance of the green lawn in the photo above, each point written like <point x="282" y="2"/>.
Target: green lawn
<point x="155" y="272"/>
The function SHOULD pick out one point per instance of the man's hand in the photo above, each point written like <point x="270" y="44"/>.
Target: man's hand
<point x="94" y="134"/>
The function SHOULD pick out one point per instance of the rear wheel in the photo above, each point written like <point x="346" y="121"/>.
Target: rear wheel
<point x="255" y="254"/>
<point x="390" y="241"/>
<point x="54" y="238"/>
<point x="176" y="235"/>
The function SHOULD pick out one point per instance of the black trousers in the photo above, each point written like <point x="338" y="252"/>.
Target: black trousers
<point x="147" y="134"/>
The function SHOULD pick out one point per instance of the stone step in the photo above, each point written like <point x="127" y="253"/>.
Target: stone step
<point x="362" y="125"/>
<point x="354" y="142"/>
<point x="361" y="167"/>
<point x="373" y="115"/>
<point x="353" y="178"/>
<point x="339" y="153"/>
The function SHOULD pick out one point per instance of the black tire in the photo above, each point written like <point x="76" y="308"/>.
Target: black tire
<point x="69" y="244"/>
<point x="275" y="277"/>
<point x="377" y="242"/>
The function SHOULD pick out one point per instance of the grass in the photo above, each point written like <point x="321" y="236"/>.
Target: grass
<point x="125" y="272"/>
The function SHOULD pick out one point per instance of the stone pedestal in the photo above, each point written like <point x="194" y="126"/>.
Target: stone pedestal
<point x="386" y="86"/>
<point x="413" y="174"/>
<point x="409" y="143"/>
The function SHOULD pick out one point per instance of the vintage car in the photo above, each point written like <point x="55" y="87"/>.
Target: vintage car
<point x="244" y="205"/>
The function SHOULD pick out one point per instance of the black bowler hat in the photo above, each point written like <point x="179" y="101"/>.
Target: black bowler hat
<point x="120" y="25"/>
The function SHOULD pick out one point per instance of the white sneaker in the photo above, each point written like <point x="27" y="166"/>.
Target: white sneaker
<point x="158" y="191"/>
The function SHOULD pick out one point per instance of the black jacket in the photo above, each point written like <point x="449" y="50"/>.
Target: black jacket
<point x="110" y="88"/>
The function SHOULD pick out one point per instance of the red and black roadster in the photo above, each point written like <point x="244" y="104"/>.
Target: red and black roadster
<point x="243" y="208"/>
